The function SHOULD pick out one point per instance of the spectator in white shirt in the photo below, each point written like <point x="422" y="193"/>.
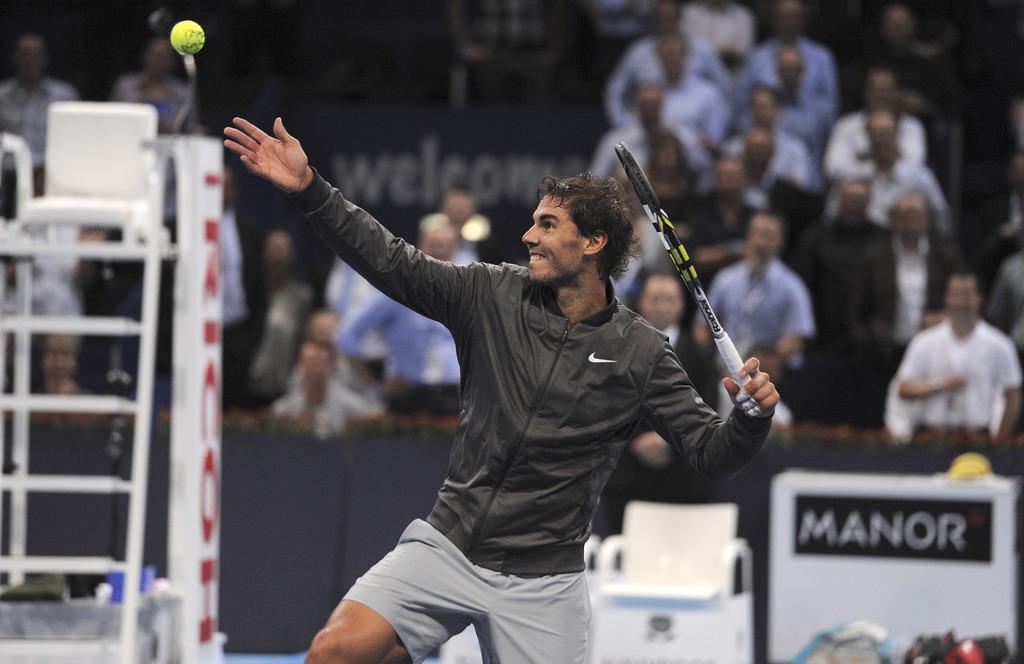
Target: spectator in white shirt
<point x="765" y="111"/>
<point x="848" y="146"/>
<point x="907" y="275"/>
<point x="959" y="370"/>
<point x="725" y="24"/>
<point x="891" y="175"/>
<point x="639" y="133"/>
<point x="317" y="398"/>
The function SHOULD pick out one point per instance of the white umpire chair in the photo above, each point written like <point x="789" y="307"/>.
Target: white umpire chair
<point x="102" y="170"/>
<point x="673" y="596"/>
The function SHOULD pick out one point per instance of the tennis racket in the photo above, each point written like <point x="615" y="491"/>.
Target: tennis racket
<point x="677" y="252"/>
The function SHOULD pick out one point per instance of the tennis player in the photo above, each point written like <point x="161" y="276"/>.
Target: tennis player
<point x="556" y="377"/>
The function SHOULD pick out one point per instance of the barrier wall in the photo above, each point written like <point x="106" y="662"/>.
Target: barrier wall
<point x="302" y="518"/>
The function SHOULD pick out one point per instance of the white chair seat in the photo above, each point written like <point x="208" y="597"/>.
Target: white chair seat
<point x="101" y="170"/>
<point x="649" y="591"/>
<point x="85" y="211"/>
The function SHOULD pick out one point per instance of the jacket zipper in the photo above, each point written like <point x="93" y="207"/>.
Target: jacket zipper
<point x="478" y="528"/>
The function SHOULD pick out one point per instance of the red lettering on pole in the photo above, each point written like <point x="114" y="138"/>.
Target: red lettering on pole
<point x="208" y="623"/>
<point x="211" y="332"/>
<point x="213" y="179"/>
<point x="209" y="495"/>
<point x="211" y="286"/>
<point x="209" y="406"/>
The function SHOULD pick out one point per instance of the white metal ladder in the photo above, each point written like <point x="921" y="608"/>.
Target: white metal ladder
<point x="18" y="247"/>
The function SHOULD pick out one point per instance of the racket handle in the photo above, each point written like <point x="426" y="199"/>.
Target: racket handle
<point x="734" y="363"/>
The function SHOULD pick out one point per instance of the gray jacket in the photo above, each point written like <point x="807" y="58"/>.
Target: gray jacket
<point x="542" y="423"/>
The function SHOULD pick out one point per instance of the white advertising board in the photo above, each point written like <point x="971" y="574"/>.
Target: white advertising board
<point x="914" y="554"/>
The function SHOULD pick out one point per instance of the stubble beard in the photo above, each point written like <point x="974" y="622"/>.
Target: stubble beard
<point x="557" y="277"/>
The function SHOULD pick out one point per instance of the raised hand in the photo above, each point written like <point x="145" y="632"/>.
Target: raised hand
<point x="279" y="159"/>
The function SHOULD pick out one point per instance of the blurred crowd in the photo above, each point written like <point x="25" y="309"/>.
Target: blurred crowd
<point x="811" y="155"/>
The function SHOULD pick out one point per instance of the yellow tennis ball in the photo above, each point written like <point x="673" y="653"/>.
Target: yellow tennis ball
<point x="187" y="37"/>
<point x="970" y="465"/>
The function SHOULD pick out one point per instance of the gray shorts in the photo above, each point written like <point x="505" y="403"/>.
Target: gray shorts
<point x="429" y="592"/>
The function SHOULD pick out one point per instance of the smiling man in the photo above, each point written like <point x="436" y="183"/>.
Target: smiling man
<point x="556" y="377"/>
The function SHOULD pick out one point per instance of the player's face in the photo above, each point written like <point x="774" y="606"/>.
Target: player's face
<point x="555" y="245"/>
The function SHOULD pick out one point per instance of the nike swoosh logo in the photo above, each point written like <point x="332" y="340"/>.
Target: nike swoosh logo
<point x="598" y="360"/>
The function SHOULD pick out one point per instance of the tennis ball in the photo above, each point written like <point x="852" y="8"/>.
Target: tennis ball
<point x="187" y="37"/>
<point x="970" y="465"/>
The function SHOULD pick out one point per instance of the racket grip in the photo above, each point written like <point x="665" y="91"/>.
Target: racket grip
<point x="734" y="363"/>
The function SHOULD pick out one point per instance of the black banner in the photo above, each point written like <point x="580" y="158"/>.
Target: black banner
<point x="893" y="528"/>
<point x="397" y="162"/>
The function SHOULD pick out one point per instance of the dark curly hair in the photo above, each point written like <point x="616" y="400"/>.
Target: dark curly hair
<point x="597" y="205"/>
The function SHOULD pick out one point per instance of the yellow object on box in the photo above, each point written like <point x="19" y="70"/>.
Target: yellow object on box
<point x="187" y="37"/>
<point x="969" y="465"/>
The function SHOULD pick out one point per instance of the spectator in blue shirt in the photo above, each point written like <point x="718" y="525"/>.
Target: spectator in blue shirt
<point x="641" y="61"/>
<point x="759" y="300"/>
<point x="26" y="97"/>
<point x="806" y="112"/>
<point x="421" y="369"/>
<point x="819" y="76"/>
<point x="690" y="103"/>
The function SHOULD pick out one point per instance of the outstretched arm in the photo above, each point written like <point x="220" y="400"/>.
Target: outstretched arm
<point x="437" y="289"/>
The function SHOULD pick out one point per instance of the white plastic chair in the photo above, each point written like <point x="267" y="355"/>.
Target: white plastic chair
<point x="667" y="550"/>
<point x="674" y="596"/>
<point x="101" y="169"/>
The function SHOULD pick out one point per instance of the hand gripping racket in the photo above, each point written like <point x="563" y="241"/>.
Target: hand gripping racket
<point x="677" y="252"/>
